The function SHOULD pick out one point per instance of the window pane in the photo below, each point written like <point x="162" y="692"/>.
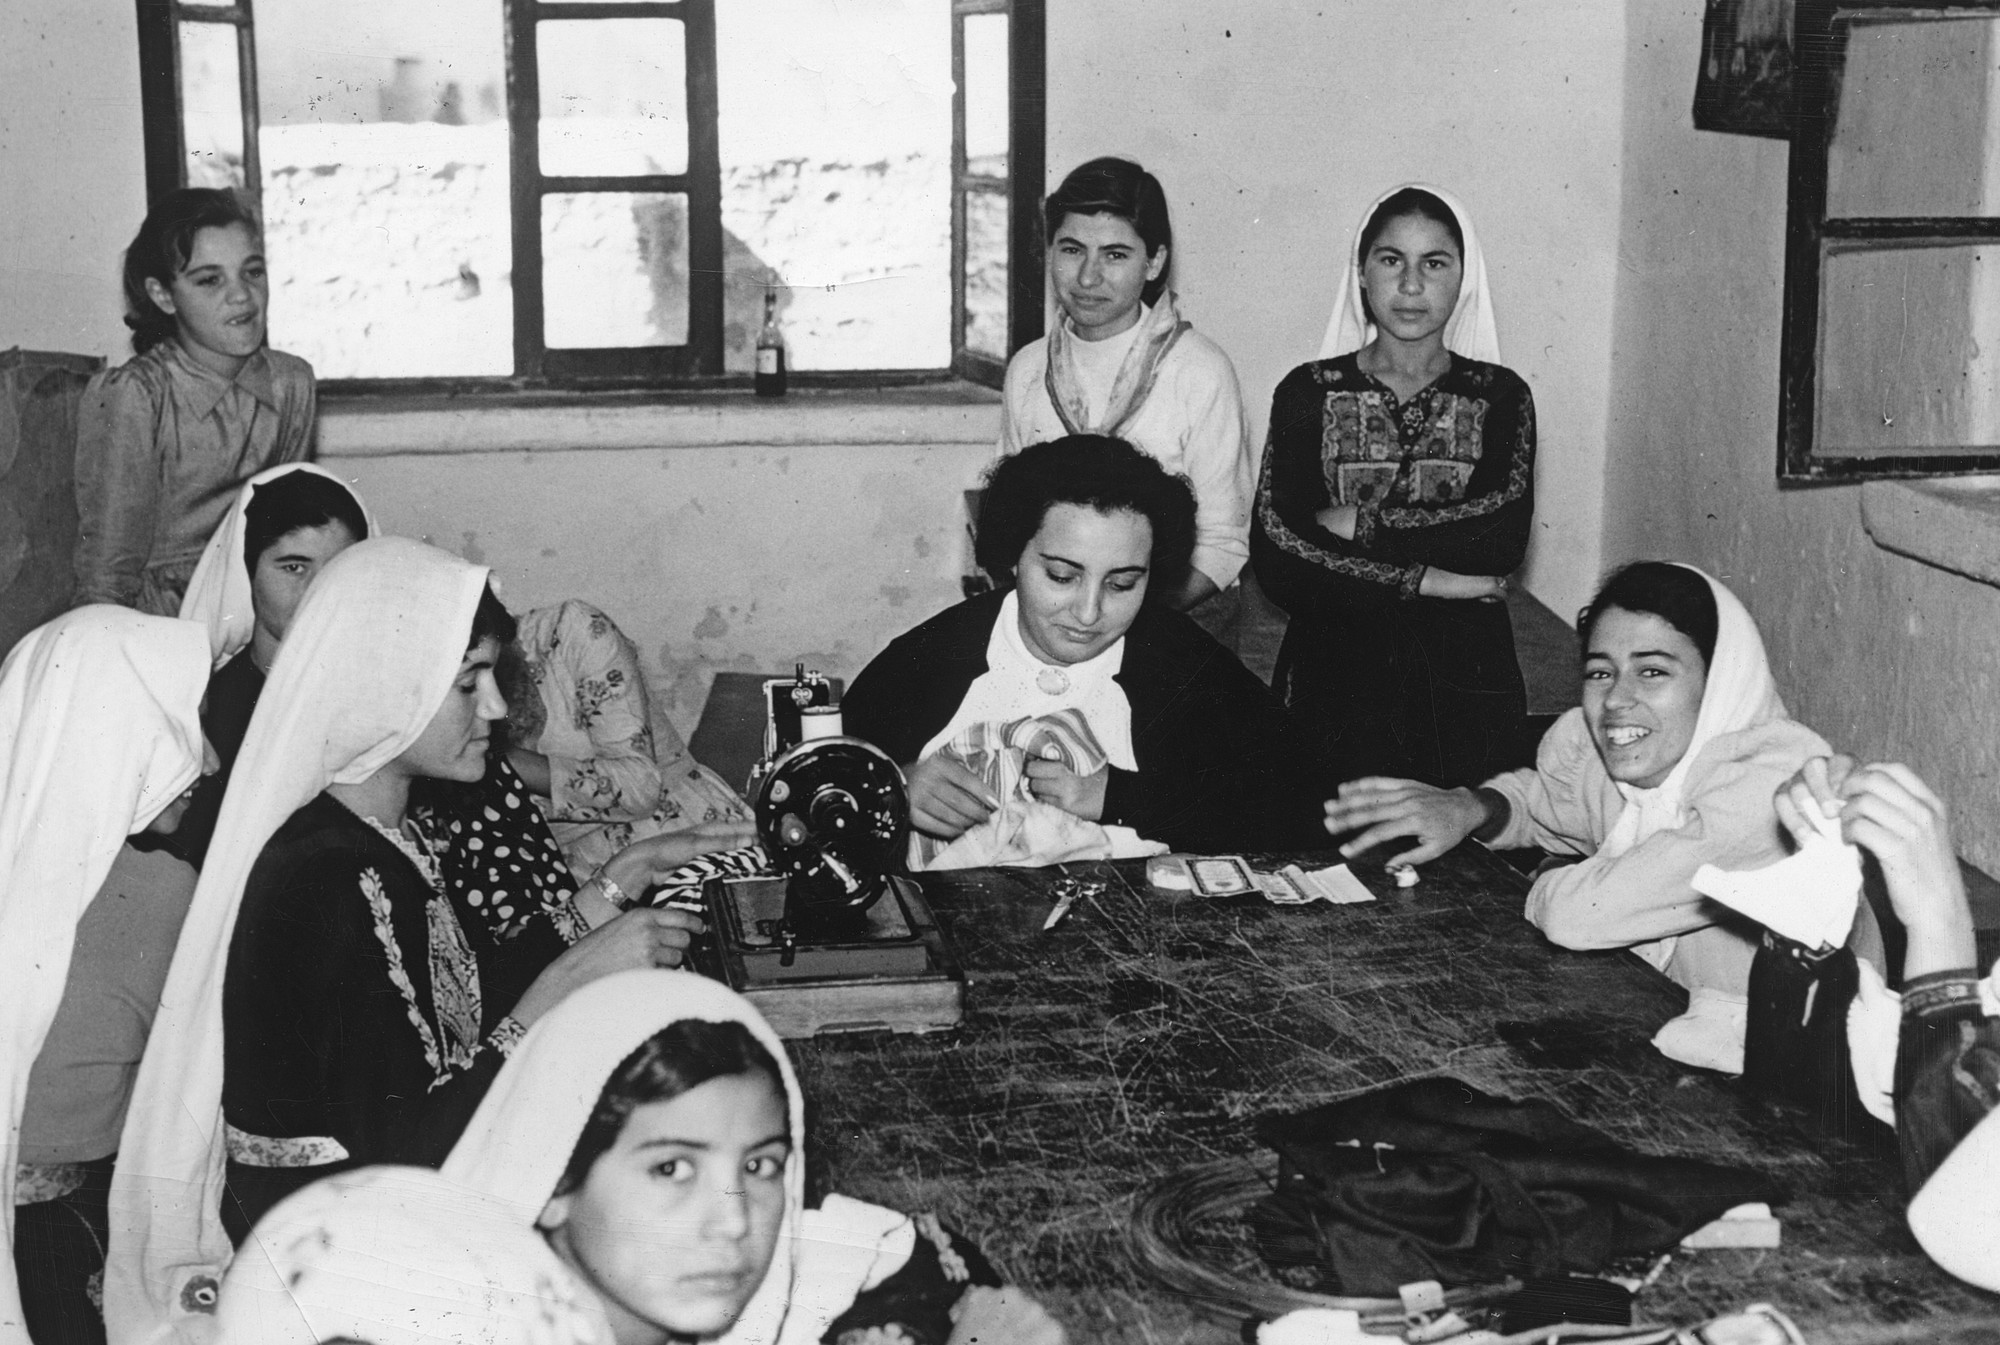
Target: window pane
<point x="986" y="94"/>
<point x="1918" y="131"/>
<point x="386" y="216"/>
<point x="836" y="173"/>
<point x="1910" y="352"/>
<point x="614" y="269"/>
<point x="211" y="105"/>
<point x="614" y="96"/>
<point x="986" y="273"/>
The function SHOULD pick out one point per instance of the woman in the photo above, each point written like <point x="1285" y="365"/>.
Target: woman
<point x="581" y="732"/>
<point x="652" y="1129"/>
<point x="1085" y="533"/>
<point x="100" y="741"/>
<point x="363" y="1011"/>
<point x="1397" y="495"/>
<point x="1669" y="764"/>
<point x="1122" y="362"/>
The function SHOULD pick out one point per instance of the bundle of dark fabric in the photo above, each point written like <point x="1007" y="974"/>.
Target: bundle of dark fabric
<point x="1435" y="1180"/>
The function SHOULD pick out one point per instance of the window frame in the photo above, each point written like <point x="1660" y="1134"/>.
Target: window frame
<point x="1820" y="51"/>
<point x="697" y="366"/>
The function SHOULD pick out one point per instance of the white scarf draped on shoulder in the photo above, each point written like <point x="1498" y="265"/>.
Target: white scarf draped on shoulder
<point x="370" y="655"/>
<point x="1159" y="328"/>
<point x="100" y="729"/>
<point x="1470" y="331"/>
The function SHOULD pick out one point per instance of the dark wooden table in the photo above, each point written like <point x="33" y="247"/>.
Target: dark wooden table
<point x="1143" y="1034"/>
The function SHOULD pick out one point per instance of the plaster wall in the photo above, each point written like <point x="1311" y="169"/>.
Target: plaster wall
<point x="1885" y="656"/>
<point x="1273" y="125"/>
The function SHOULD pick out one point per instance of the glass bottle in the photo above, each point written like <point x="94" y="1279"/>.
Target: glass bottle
<point x="770" y="380"/>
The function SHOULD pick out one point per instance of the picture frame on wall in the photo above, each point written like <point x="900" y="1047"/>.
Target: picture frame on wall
<point x="1744" y="86"/>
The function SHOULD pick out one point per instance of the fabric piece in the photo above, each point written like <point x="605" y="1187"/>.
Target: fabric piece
<point x="373" y="649"/>
<point x="218" y="594"/>
<point x="521" y="1139"/>
<point x="59" y="1258"/>
<point x="1809" y="896"/>
<point x="1874" y="1021"/>
<point x="1710" y="1034"/>
<point x="1193" y="423"/>
<point x="1954" y="1216"/>
<point x="1156" y="331"/>
<point x="495" y="854"/>
<point x="162" y="447"/>
<point x="400" y="1256"/>
<point x="99" y="730"/>
<point x="1470" y="331"/>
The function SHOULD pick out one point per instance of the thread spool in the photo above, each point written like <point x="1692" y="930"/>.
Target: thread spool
<point x="819" y="721"/>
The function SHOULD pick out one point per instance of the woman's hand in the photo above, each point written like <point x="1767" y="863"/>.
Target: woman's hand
<point x="1438" y="818"/>
<point x="1079" y="795"/>
<point x="1339" y="520"/>
<point x="644" y="863"/>
<point x="636" y="939"/>
<point x="1895" y="816"/>
<point x="984" y="1315"/>
<point x="946" y="799"/>
<point x="1438" y="583"/>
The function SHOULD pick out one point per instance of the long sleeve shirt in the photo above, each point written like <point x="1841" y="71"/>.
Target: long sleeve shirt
<point x="162" y="447"/>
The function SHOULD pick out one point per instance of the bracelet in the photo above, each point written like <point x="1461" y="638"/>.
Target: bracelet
<point x="612" y="892"/>
<point x="1941" y="992"/>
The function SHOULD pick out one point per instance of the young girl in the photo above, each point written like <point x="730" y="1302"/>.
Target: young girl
<point x="651" y="1127"/>
<point x="1122" y="362"/>
<point x="1397" y="495"/>
<point x="165" y="440"/>
<point x="99" y="743"/>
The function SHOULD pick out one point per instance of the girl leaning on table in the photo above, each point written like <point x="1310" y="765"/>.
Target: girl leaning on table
<point x="1669" y="764"/>
<point x="1396" y="496"/>
<point x="650" y="1134"/>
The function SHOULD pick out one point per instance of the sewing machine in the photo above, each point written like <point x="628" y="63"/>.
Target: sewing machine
<point x="838" y="939"/>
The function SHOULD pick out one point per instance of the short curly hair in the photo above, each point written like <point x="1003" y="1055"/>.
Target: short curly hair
<point x="1100" y="473"/>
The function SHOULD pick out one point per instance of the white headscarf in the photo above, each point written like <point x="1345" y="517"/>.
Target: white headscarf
<point x="369" y="658"/>
<point x="401" y="1256"/>
<point x="100" y="728"/>
<point x="520" y="1141"/>
<point x="1470" y="331"/>
<point x="218" y="595"/>
<point x="1739" y="694"/>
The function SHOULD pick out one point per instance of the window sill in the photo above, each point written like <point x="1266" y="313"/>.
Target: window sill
<point x="952" y="412"/>
<point x="1952" y="523"/>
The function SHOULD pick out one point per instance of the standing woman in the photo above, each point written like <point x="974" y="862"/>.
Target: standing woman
<point x="1396" y="497"/>
<point x="1123" y="363"/>
<point x="164" y="441"/>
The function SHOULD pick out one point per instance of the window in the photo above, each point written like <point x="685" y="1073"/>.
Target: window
<point x="1891" y="354"/>
<point x="476" y="194"/>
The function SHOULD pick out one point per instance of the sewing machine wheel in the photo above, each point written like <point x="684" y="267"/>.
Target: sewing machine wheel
<point x="833" y="814"/>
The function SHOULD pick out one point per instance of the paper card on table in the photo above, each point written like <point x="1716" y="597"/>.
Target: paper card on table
<point x="1339" y="885"/>
<point x="1221" y="876"/>
<point x="1278" y="889"/>
<point x="1809" y="897"/>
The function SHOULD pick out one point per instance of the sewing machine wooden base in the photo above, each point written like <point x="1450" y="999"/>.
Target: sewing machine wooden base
<point x="895" y="975"/>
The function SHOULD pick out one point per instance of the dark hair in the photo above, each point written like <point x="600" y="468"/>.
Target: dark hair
<point x="675" y="1060"/>
<point x="1675" y="594"/>
<point x="161" y="248"/>
<point x="297" y="500"/>
<point x="1410" y="201"/>
<point x="491" y="620"/>
<point x="1099" y="473"/>
<point x="1119" y="187"/>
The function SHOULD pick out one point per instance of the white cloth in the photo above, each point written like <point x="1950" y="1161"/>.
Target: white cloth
<point x="1470" y="330"/>
<point x="1193" y="423"/>
<point x="1810" y="896"/>
<point x="1956" y="1217"/>
<point x="218" y="595"/>
<point x="521" y="1138"/>
<point x="401" y="1256"/>
<point x="371" y="653"/>
<point x="100" y="729"/>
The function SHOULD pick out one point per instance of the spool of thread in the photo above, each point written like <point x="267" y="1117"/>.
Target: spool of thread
<point x="1169" y="873"/>
<point x="819" y="721"/>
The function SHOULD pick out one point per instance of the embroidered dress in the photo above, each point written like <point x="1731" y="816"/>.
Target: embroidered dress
<point x="1390" y="682"/>
<point x="359" y="1023"/>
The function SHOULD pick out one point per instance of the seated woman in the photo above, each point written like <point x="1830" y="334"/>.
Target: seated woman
<point x="1180" y="744"/>
<point x="1929" y="1057"/>
<point x="100" y="742"/>
<point x="1123" y="362"/>
<point x="653" y="1130"/>
<point x="1669" y="764"/>
<point x="1396" y="497"/>
<point x="364" y="1011"/>
<point x="605" y="770"/>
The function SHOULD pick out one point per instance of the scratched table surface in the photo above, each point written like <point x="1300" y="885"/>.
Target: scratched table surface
<point x="1144" y="1033"/>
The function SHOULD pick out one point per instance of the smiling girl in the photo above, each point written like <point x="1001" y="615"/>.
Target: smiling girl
<point x="165" y="440"/>
<point x="1397" y="495"/>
